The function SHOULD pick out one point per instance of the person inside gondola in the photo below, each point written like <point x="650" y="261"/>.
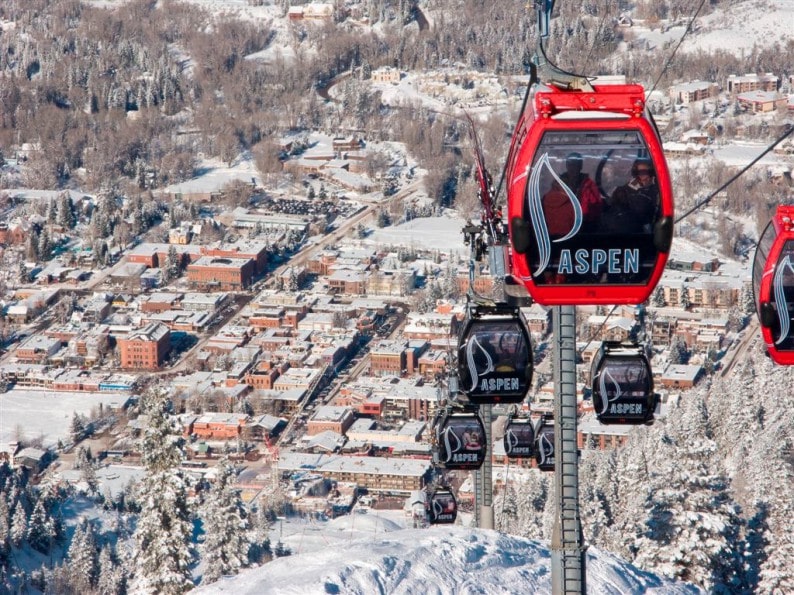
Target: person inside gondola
<point x="471" y="440"/>
<point x="585" y="190"/>
<point x="633" y="206"/>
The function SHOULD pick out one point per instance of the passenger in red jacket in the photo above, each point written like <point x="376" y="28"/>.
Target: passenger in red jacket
<point x="585" y="190"/>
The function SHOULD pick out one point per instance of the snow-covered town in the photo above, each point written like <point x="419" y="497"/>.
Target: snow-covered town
<point x="237" y="318"/>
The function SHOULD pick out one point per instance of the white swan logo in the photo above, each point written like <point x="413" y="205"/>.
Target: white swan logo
<point x="602" y="384"/>
<point x="545" y="449"/>
<point x="438" y="508"/>
<point x="448" y="436"/>
<point x="512" y="440"/>
<point x="780" y="299"/>
<point x="535" y="204"/>
<point x="472" y="364"/>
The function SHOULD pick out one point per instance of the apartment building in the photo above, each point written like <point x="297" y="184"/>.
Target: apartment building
<point x="145" y="348"/>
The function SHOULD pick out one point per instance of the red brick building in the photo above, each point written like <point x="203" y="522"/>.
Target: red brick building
<point x="335" y="419"/>
<point x="210" y="273"/>
<point x="387" y="357"/>
<point x="218" y="426"/>
<point x="145" y="348"/>
<point x="263" y="376"/>
<point x="256" y="251"/>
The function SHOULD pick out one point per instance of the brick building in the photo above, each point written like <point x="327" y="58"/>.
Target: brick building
<point x="37" y="349"/>
<point x="262" y="376"/>
<point x="746" y="83"/>
<point x="145" y="348"/>
<point x="217" y="426"/>
<point x="210" y="273"/>
<point x="693" y="91"/>
<point x="256" y="251"/>
<point x="335" y="419"/>
<point x="387" y="358"/>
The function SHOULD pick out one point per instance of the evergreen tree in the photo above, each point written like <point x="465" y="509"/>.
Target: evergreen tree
<point x="82" y="556"/>
<point x="685" y="302"/>
<point x="44" y="247"/>
<point x="697" y="508"/>
<point x="41" y="531"/>
<point x="111" y="579"/>
<point x="51" y="213"/>
<point x="65" y="211"/>
<point x="77" y="430"/>
<point x="292" y="283"/>
<point x="226" y="542"/>
<point x="746" y="299"/>
<point x="679" y="354"/>
<point x="22" y="273"/>
<point x="172" y="263"/>
<point x="658" y="297"/>
<point x="19" y="525"/>
<point x="162" y="537"/>
<point x="32" y="246"/>
<point x="259" y="535"/>
<point x="60" y="581"/>
<point x="5" y="527"/>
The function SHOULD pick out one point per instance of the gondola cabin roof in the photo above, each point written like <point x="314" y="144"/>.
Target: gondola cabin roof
<point x="611" y="101"/>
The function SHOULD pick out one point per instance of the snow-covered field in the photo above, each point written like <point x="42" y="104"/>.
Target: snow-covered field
<point x="31" y="414"/>
<point x="431" y="233"/>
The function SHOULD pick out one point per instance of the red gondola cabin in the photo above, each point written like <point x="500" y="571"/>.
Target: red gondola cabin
<point x="590" y="204"/>
<point x="773" y="285"/>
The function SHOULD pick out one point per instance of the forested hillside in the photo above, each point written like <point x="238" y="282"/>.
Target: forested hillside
<point x="705" y="495"/>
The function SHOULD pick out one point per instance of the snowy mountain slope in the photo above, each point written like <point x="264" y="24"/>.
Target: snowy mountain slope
<point x="438" y="560"/>
<point x="741" y="25"/>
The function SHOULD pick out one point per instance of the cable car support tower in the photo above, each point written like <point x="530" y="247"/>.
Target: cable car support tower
<point x="568" y="549"/>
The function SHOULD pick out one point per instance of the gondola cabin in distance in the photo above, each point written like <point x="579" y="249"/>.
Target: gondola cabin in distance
<point x="495" y="357"/>
<point x="590" y="204"/>
<point x="773" y="285"/>
<point x="622" y="384"/>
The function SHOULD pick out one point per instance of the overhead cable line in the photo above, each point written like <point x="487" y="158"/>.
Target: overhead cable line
<point x="598" y="330"/>
<point x="678" y="45"/>
<point x="706" y="200"/>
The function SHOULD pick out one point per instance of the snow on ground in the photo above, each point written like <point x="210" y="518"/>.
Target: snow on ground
<point x="751" y="23"/>
<point x="439" y="560"/>
<point x="739" y="154"/>
<point x="432" y="233"/>
<point x="214" y="174"/>
<point x="47" y="415"/>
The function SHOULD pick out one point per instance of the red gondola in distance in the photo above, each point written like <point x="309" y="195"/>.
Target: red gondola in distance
<point x="773" y="285"/>
<point x="590" y="204"/>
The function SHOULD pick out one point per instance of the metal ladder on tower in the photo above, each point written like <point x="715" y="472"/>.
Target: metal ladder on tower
<point x="568" y="572"/>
